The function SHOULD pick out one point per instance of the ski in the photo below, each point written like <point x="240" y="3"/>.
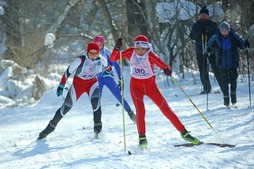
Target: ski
<point x="215" y="92"/>
<point x="212" y="92"/>
<point x="205" y="143"/>
<point x="231" y="107"/>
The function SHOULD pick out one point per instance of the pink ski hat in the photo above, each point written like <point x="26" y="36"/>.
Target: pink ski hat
<point x="93" y="45"/>
<point x="99" y="39"/>
<point x="141" y="41"/>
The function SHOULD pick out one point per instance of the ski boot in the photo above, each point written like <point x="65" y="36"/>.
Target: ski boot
<point x="226" y="100"/>
<point x="97" y="129"/>
<point x="132" y="116"/>
<point x="233" y="98"/>
<point x="187" y="137"/>
<point x="142" y="141"/>
<point x="49" y="129"/>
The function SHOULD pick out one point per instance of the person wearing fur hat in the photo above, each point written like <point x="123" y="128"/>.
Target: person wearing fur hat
<point x="201" y="31"/>
<point x="226" y="43"/>
<point x="107" y="79"/>
<point x="85" y="69"/>
<point x="142" y="83"/>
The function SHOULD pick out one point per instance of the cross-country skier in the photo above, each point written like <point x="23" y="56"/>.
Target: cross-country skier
<point x="227" y="42"/>
<point x="85" y="68"/>
<point x="201" y="31"/>
<point x="142" y="83"/>
<point x="108" y="80"/>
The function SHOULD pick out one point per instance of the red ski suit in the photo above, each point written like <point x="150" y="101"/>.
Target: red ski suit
<point x="140" y="87"/>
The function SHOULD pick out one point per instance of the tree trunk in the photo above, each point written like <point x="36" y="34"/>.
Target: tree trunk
<point x="11" y="21"/>
<point x="136" y="18"/>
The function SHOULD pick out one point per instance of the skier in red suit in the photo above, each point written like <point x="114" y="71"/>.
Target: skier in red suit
<point x="85" y="69"/>
<point x="142" y="83"/>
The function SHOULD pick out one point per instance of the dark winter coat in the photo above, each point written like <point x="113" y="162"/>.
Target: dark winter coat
<point x="208" y="27"/>
<point x="226" y="58"/>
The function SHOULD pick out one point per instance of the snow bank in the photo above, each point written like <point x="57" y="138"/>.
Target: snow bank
<point x="19" y="85"/>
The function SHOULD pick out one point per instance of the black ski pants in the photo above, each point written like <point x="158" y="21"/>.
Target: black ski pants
<point x="229" y="77"/>
<point x="204" y="72"/>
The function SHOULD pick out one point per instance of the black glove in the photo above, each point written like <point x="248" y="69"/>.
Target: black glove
<point x="247" y="44"/>
<point x="119" y="44"/>
<point x="59" y="90"/>
<point x="167" y="71"/>
<point x="210" y="50"/>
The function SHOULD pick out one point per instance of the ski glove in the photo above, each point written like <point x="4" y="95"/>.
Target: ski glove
<point x="120" y="84"/>
<point x="247" y="44"/>
<point x="167" y="71"/>
<point x="107" y="72"/>
<point x="119" y="44"/>
<point x="210" y="50"/>
<point x="59" y="90"/>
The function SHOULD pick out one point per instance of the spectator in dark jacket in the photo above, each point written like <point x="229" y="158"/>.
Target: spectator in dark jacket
<point x="227" y="43"/>
<point x="201" y="31"/>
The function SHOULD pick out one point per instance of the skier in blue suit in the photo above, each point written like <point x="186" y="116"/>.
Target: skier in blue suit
<point x="108" y="80"/>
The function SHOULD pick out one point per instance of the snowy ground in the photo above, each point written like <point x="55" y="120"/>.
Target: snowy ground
<point x="71" y="146"/>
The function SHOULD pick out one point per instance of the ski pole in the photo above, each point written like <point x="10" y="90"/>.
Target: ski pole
<point x="122" y="92"/>
<point x="207" y="64"/>
<point x="248" y="65"/>
<point x="196" y="108"/>
<point x="203" y="75"/>
<point x="205" y="61"/>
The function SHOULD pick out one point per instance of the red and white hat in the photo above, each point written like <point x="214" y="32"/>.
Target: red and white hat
<point x="99" y="39"/>
<point x="141" y="41"/>
<point x="93" y="46"/>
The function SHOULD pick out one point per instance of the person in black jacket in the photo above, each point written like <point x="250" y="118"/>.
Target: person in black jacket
<point x="226" y="43"/>
<point x="201" y="31"/>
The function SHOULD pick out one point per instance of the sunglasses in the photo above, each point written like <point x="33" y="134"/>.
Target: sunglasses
<point x="141" y="44"/>
<point x="93" y="54"/>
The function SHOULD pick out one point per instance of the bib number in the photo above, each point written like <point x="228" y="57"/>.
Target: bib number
<point x="139" y="71"/>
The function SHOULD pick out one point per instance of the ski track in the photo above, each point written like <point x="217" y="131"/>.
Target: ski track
<point x="71" y="146"/>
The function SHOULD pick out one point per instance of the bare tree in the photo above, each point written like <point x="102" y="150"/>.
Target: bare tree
<point x="76" y="22"/>
<point x="12" y="25"/>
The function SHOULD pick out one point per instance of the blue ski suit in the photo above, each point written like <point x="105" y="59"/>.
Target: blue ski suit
<point x="109" y="80"/>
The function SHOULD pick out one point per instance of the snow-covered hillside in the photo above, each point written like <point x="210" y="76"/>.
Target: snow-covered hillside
<point x="72" y="144"/>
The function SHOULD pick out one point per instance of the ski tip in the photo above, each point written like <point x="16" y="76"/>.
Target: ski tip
<point x="228" y="145"/>
<point x="222" y="145"/>
<point x="215" y="144"/>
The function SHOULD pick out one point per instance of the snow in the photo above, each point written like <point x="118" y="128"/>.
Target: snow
<point x="1" y="10"/>
<point x="71" y="146"/>
<point x="216" y="11"/>
<point x="49" y="40"/>
<point x="184" y="10"/>
<point x="181" y="10"/>
<point x="252" y="30"/>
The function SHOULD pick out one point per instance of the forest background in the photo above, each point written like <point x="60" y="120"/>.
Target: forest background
<point x="74" y="23"/>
